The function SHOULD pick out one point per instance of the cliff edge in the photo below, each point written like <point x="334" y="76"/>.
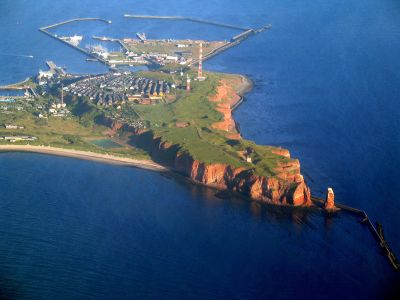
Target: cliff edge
<point x="209" y="149"/>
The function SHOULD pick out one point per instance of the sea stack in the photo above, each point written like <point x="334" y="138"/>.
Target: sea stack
<point x="330" y="200"/>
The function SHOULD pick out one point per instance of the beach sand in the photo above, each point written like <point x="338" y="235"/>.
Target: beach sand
<point x="144" y="164"/>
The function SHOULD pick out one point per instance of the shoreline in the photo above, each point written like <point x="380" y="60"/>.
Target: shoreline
<point x="86" y="155"/>
<point x="246" y="85"/>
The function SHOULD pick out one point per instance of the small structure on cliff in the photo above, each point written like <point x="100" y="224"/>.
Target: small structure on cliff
<point x="247" y="154"/>
<point x="329" y="204"/>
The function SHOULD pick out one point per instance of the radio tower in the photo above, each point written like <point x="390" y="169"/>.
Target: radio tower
<point x="187" y="83"/>
<point x="62" y="95"/>
<point x="200" y="76"/>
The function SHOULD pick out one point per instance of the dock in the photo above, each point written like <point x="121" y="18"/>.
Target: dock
<point x="113" y="40"/>
<point x="54" y="68"/>
<point x="377" y="232"/>
<point x="104" y="38"/>
<point x="19" y="86"/>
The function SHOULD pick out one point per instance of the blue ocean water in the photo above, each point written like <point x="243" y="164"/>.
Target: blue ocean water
<point x="326" y="87"/>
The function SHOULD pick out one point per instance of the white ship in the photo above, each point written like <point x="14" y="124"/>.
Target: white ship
<point x="141" y="36"/>
<point x="73" y="40"/>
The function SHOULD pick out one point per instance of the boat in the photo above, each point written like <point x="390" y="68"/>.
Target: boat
<point x="141" y="36"/>
<point x="73" y="40"/>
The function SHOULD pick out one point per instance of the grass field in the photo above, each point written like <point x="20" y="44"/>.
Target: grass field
<point x="190" y="49"/>
<point x="62" y="132"/>
<point x="197" y="137"/>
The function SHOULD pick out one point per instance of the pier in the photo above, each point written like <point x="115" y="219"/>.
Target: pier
<point x="377" y="232"/>
<point x="16" y="86"/>
<point x="181" y="18"/>
<point x="109" y="39"/>
<point x="236" y="40"/>
<point x="19" y="86"/>
<point x="54" y="68"/>
<point x="75" y="20"/>
<point x="104" y="38"/>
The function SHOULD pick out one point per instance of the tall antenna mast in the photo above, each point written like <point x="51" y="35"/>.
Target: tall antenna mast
<point x="200" y="70"/>
<point x="187" y="83"/>
<point x="62" y="94"/>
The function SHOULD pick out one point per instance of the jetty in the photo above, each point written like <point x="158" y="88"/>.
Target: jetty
<point x="54" y="68"/>
<point x="236" y="40"/>
<point x="16" y="86"/>
<point x="55" y="36"/>
<point x="376" y="231"/>
<point x="181" y="18"/>
<point x="19" y="86"/>
<point x="75" y="20"/>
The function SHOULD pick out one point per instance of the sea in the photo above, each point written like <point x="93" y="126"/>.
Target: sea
<point x="326" y="86"/>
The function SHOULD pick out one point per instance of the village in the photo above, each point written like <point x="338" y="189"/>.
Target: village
<point x="46" y="95"/>
<point x="117" y="88"/>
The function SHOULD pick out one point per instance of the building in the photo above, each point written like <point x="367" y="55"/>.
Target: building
<point x="10" y="126"/>
<point x="13" y="139"/>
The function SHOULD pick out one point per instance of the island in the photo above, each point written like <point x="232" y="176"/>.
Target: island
<point x="172" y="116"/>
<point x="182" y="124"/>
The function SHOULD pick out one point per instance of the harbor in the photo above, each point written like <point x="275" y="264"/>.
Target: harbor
<point x="70" y="44"/>
<point x="128" y="57"/>
<point x="20" y="86"/>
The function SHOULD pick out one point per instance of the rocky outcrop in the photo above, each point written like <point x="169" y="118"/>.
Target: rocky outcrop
<point x="225" y="98"/>
<point x="116" y="125"/>
<point x="288" y="188"/>
<point x="330" y="200"/>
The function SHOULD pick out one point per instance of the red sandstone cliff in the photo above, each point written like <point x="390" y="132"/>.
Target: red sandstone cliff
<point x="288" y="187"/>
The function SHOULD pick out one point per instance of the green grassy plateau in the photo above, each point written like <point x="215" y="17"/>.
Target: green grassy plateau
<point x="197" y="137"/>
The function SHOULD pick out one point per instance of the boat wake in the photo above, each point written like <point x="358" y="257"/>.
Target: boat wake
<point x="16" y="55"/>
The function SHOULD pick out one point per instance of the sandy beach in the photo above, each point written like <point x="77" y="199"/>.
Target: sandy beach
<point x="144" y="164"/>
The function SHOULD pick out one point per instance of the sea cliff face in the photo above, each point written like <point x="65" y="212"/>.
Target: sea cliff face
<point x="263" y="173"/>
<point x="288" y="187"/>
